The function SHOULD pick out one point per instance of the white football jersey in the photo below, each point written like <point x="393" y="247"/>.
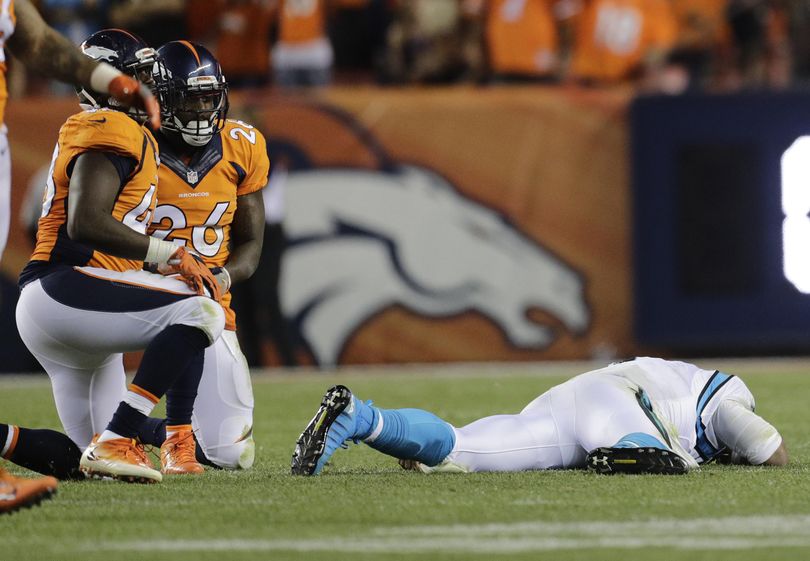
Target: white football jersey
<point x="647" y="399"/>
<point x="686" y="397"/>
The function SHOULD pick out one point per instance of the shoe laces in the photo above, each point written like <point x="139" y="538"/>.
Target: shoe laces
<point x="184" y="450"/>
<point x="130" y="448"/>
<point x="152" y="451"/>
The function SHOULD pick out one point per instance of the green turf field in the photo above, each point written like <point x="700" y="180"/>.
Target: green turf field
<point x="365" y="507"/>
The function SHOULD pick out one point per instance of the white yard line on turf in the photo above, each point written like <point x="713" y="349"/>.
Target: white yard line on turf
<point x="732" y="533"/>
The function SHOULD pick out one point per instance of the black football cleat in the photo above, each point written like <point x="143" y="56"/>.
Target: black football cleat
<point x="608" y="461"/>
<point x="313" y="449"/>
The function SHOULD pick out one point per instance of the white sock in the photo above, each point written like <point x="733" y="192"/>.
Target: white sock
<point x="140" y="400"/>
<point x="109" y="435"/>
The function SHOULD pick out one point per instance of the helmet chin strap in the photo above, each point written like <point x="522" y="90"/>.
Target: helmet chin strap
<point x="204" y="129"/>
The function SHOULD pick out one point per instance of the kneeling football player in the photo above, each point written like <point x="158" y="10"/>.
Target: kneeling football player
<point x="209" y="201"/>
<point x="85" y="298"/>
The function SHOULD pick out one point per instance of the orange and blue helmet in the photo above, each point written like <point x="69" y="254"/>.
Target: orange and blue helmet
<point x="126" y="52"/>
<point x="192" y="92"/>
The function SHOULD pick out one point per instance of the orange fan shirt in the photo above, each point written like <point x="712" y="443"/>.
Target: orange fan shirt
<point x="7" y="22"/>
<point x="614" y="36"/>
<point x="243" y="41"/>
<point x="301" y="21"/>
<point x="103" y="130"/>
<point x="522" y="36"/>
<point x="197" y="200"/>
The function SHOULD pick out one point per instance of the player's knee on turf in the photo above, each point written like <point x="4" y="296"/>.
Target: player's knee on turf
<point x="239" y="455"/>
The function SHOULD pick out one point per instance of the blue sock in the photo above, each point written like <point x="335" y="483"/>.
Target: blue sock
<point x="640" y="440"/>
<point x="181" y="396"/>
<point x="126" y="421"/>
<point x="412" y="434"/>
<point x="169" y="356"/>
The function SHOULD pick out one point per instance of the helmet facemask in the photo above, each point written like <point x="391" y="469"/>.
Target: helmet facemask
<point x="196" y="109"/>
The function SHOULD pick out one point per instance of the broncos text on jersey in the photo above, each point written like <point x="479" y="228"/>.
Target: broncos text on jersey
<point x="102" y="130"/>
<point x="197" y="200"/>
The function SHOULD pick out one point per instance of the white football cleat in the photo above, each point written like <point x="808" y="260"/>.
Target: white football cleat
<point x="119" y="458"/>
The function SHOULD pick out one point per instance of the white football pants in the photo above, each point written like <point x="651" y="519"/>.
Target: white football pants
<point x="557" y="429"/>
<point x="80" y="322"/>
<point x="223" y="411"/>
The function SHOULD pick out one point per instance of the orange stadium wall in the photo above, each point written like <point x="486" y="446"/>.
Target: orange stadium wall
<point x="431" y="225"/>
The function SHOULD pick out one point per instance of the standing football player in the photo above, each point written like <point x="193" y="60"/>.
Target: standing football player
<point x="646" y="415"/>
<point x="210" y="202"/>
<point x="42" y="49"/>
<point x="84" y="296"/>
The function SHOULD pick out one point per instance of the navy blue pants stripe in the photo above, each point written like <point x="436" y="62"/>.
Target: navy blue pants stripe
<point x="705" y="448"/>
<point x="78" y="290"/>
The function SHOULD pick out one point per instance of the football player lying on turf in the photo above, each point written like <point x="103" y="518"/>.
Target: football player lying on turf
<point x="646" y="415"/>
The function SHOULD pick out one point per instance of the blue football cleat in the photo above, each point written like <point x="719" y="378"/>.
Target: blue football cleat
<point x="337" y="420"/>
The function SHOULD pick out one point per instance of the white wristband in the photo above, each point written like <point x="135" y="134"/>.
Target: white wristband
<point x="101" y="77"/>
<point x="224" y="273"/>
<point x="160" y="251"/>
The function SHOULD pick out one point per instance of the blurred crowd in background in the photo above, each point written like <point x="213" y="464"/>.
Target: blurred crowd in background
<point x="669" y="46"/>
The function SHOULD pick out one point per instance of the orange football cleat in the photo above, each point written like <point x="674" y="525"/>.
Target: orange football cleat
<point x="177" y="455"/>
<point x="119" y="458"/>
<point x="22" y="492"/>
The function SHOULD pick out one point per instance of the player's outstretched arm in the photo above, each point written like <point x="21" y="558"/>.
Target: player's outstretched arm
<point x="45" y="50"/>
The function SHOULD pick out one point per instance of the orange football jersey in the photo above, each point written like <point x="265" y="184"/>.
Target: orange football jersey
<point x="7" y="22"/>
<point x="301" y="21"/>
<point x="614" y="36"/>
<point x="103" y="130"/>
<point x="197" y="201"/>
<point x="522" y="36"/>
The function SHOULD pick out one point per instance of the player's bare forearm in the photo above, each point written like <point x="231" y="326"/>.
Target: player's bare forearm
<point x="44" y="50"/>
<point x="110" y="236"/>
<point x="94" y="186"/>
<point x="247" y="233"/>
